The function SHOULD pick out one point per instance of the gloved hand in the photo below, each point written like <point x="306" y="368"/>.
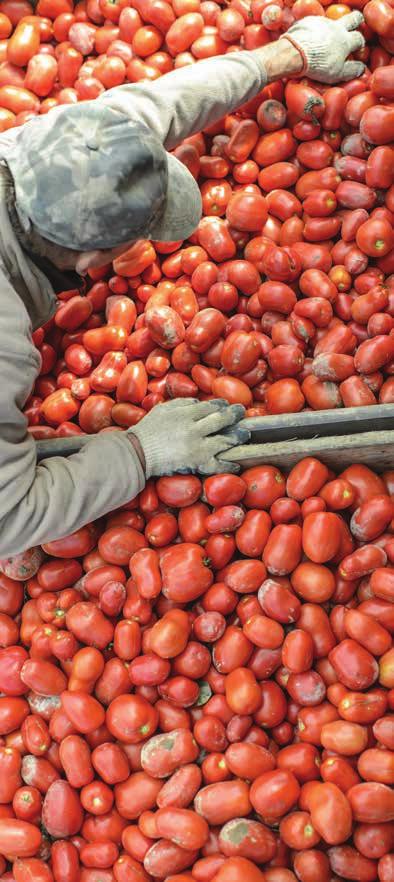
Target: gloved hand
<point x="325" y="45"/>
<point x="186" y="435"/>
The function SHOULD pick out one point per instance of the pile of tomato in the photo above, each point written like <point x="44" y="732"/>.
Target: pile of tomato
<point x="283" y="299"/>
<point x="201" y="687"/>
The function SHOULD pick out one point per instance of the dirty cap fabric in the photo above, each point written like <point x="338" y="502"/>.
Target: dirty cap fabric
<point x="89" y="178"/>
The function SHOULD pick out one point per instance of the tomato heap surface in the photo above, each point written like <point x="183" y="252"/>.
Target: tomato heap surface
<point x="283" y="298"/>
<point x="200" y="688"/>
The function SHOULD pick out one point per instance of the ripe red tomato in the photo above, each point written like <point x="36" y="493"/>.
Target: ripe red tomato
<point x="131" y="718"/>
<point x="375" y="237"/>
<point x="247" y="211"/>
<point x="62" y="811"/>
<point x="330" y="812"/>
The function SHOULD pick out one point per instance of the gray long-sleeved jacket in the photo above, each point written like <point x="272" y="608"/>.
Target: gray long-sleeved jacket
<point x="50" y="500"/>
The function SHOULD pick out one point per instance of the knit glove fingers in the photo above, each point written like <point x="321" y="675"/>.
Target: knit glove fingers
<point x="185" y="436"/>
<point x="325" y="46"/>
<point x="216" y="465"/>
<point x="221" y="419"/>
<point x="218" y="444"/>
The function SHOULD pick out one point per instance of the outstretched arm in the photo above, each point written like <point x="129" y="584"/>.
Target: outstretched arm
<point x="39" y="503"/>
<point x="192" y="98"/>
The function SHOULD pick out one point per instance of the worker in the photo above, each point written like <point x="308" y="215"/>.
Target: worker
<point x="77" y="187"/>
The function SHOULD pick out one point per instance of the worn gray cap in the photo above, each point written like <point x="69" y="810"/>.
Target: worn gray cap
<point x="89" y="178"/>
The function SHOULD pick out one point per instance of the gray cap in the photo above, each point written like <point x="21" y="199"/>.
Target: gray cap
<point x="89" y="178"/>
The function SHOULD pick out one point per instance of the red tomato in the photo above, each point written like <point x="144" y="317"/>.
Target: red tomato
<point x="354" y="665"/>
<point x="83" y="711"/>
<point x="274" y="793"/>
<point x="24" y="43"/>
<point x="62" y="812"/>
<point x="371" y="802"/>
<point x="227" y="799"/>
<point x="131" y="718"/>
<point x="321" y="536"/>
<point x="377" y="124"/>
<point x="247" y="211"/>
<point x="330" y="812"/>
<point x="163" y="754"/>
<point x="375" y="237"/>
<point x="276" y="146"/>
<point x="234" y="869"/>
<point x="183" y="826"/>
<point x="284" y="396"/>
<point x="184" y="572"/>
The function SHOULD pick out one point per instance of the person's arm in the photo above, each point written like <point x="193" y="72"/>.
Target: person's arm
<point x="192" y="98"/>
<point x="56" y="497"/>
<point x="39" y="503"/>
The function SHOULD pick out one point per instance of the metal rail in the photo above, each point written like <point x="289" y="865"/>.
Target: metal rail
<point x="269" y="429"/>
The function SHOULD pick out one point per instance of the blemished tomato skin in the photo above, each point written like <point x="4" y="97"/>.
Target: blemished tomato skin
<point x="226" y="800"/>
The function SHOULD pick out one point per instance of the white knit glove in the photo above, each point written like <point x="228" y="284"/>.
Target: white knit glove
<point x="186" y="435"/>
<point x="325" y="45"/>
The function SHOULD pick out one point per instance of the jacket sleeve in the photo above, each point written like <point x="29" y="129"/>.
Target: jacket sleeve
<point x="191" y="98"/>
<point x="50" y="500"/>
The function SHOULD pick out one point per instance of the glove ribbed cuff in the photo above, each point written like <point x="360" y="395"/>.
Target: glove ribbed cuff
<point x="151" y="449"/>
<point x="302" y="53"/>
<point x="313" y="56"/>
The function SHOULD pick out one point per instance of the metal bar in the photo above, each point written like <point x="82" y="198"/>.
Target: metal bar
<point x="269" y="429"/>
<point x="61" y="446"/>
<point x="373" y="449"/>
<point x="314" y="424"/>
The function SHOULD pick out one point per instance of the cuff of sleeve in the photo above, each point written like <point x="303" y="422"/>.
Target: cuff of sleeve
<point x="255" y="56"/>
<point x="133" y="473"/>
